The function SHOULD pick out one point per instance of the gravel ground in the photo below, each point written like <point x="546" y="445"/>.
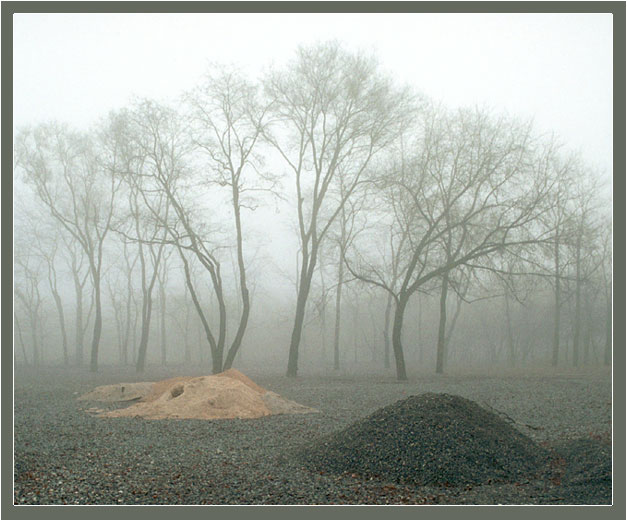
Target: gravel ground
<point x="65" y="456"/>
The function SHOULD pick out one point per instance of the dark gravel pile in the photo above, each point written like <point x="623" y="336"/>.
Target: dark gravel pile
<point x="63" y="455"/>
<point x="584" y="468"/>
<point x="430" y="439"/>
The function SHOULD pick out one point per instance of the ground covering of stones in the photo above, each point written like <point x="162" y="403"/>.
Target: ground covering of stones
<point x="517" y="439"/>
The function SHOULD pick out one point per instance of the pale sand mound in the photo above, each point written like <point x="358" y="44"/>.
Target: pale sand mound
<point x="118" y="392"/>
<point x="226" y="395"/>
<point x="235" y="374"/>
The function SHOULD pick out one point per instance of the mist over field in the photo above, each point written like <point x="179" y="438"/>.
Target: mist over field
<point x="329" y="213"/>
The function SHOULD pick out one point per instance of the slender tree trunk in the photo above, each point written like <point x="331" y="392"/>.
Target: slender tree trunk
<point x="511" y="350"/>
<point x="439" y="365"/>
<point x="338" y="315"/>
<point x="306" y="273"/>
<point x="59" y="305"/>
<point x="607" y="356"/>
<point x="119" y="329"/>
<point x="201" y="358"/>
<point x="420" y="345"/>
<point x="19" y="333"/>
<point x="577" y="332"/>
<point x="588" y="324"/>
<point x="145" y="333"/>
<point x="97" y="325"/>
<point x="162" y="302"/>
<point x="556" y="323"/>
<point x="386" y="333"/>
<point x="79" y="320"/>
<point x="35" y="336"/>
<point x="299" y="317"/>
<point x="127" y="324"/>
<point x="188" y="351"/>
<point x="216" y="351"/>
<point x="397" y="346"/>
<point x="323" y="324"/>
<point x="355" y="330"/>
<point x="243" y="322"/>
<point x="134" y="331"/>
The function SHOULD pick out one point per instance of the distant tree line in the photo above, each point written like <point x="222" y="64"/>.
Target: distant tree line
<point x="416" y="213"/>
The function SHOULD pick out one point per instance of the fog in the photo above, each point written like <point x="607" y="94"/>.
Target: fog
<point x="313" y="200"/>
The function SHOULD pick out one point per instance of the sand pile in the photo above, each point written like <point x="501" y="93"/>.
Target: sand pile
<point x="119" y="392"/>
<point x="430" y="439"/>
<point x="230" y="394"/>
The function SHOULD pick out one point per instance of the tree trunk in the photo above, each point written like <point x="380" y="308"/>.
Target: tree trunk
<point x="59" y="305"/>
<point x="386" y="333"/>
<point x="162" y="316"/>
<point x="306" y="274"/>
<point x="19" y="333"/>
<point x="511" y="349"/>
<point x="237" y="342"/>
<point x="420" y="346"/>
<point x="145" y="333"/>
<point x="79" y="320"/>
<point x="188" y="351"/>
<point x="127" y="326"/>
<point x="338" y="317"/>
<point x="216" y="351"/>
<point x="439" y="365"/>
<point x="134" y="332"/>
<point x="93" y="366"/>
<point x="556" y="324"/>
<point x="243" y="322"/>
<point x="577" y="332"/>
<point x="607" y="356"/>
<point x="588" y="323"/>
<point x="355" y="330"/>
<point x="299" y="317"/>
<point x="397" y="346"/>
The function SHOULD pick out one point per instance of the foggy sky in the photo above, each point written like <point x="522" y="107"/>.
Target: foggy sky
<point x="554" y="68"/>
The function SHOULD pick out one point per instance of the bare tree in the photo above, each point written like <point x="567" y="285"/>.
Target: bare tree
<point x="562" y="170"/>
<point x="41" y="242"/>
<point x="147" y="207"/>
<point x="49" y="256"/>
<point x="348" y="225"/>
<point x="75" y="182"/>
<point x="472" y="182"/>
<point x="459" y="281"/>
<point x="228" y="121"/>
<point x="75" y="259"/>
<point x="332" y="112"/>
<point x="162" y="276"/>
<point x="121" y="296"/>
<point x="28" y="279"/>
<point x="585" y="228"/>
<point x="606" y="271"/>
<point x="162" y="140"/>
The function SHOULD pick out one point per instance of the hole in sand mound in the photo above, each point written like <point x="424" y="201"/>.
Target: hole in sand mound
<point x="430" y="439"/>
<point x="177" y="390"/>
<point x="226" y="395"/>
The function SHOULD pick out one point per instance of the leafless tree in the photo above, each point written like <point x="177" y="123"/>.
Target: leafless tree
<point x="49" y="255"/>
<point x="72" y="178"/>
<point x="471" y="183"/>
<point x="584" y="240"/>
<point x="228" y="119"/>
<point x="158" y="132"/>
<point x="606" y="272"/>
<point x="332" y="111"/>
<point x="28" y="278"/>
<point x="121" y="295"/>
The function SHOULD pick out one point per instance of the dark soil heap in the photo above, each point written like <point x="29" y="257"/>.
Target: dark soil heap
<point x="430" y="439"/>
